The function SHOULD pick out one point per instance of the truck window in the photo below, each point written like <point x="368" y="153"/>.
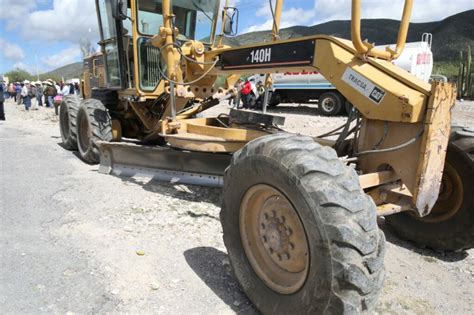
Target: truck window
<point x="195" y="19"/>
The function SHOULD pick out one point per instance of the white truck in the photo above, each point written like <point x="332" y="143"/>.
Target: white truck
<point x="309" y="87"/>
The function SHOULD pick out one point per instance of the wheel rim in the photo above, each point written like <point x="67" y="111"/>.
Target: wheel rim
<point x="450" y="197"/>
<point x="64" y="116"/>
<point x="328" y="105"/>
<point x="84" y="133"/>
<point x="274" y="239"/>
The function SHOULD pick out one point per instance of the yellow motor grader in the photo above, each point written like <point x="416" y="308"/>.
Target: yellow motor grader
<point x="298" y="213"/>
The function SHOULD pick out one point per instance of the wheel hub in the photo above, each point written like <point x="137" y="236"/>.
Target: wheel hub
<point x="328" y="105"/>
<point x="450" y="197"/>
<point x="274" y="239"/>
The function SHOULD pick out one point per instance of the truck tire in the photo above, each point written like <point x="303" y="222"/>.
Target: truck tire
<point x="68" y="120"/>
<point x="274" y="99"/>
<point x="302" y="236"/>
<point x="330" y="104"/>
<point x="94" y="124"/>
<point x="450" y="225"/>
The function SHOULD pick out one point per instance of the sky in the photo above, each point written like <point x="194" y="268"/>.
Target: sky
<point x="46" y="34"/>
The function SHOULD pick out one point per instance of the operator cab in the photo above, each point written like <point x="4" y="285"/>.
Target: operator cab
<point x="126" y="30"/>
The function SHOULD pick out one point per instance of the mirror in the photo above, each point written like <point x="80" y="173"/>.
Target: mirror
<point x="231" y="21"/>
<point x="119" y="9"/>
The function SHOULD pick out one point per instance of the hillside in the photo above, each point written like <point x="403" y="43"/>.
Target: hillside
<point x="73" y="70"/>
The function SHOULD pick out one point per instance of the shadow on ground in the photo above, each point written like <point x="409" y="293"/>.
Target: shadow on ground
<point x="184" y="192"/>
<point x="427" y="253"/>
<point x="212" y="266"/>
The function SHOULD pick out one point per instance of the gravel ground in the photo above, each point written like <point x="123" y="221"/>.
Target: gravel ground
<point x="98" y="243"/>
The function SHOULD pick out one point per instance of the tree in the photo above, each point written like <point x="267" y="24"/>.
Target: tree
<point x="18" y="75"/>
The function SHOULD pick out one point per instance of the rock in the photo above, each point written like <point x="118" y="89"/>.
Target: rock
<point x="154" y="286"/>
<point x="236" y="303"/>
<point x="115" y="291"/>
<point x="140" y="252"/>
<point x="225" y="262"/>
<point x="128" y="229"/>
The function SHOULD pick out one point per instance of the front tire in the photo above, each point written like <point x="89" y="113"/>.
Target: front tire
<point x="94" y="124"/>
<point x="450" y="225"/>
<point x="301" y="234"/>
<point x="68" y="121"/>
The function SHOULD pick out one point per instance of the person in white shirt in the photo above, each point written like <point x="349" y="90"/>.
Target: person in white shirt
<point x="26" y="94"/>
<point x="64" y="89"/>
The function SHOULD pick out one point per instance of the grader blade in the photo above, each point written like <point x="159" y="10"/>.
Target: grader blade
<point x="162" y="163"/>
<point x="433" y="147"/>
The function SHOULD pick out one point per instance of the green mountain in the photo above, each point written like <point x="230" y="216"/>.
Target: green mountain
<point x="71" y="71"/>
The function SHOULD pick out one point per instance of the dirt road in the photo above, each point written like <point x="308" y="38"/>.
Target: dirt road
<point x="73" y="240"/>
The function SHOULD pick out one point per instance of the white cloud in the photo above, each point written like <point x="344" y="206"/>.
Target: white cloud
<point x="14" y="12"/>
<point x="11" y="51"/>
<point x="64" y="57"/>
<point x="328" y="10"/>
<point x="69" y="20"/>
<point x="290" y="17"/>
<point x="423" y="11"/>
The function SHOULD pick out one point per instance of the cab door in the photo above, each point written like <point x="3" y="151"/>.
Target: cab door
<point x="111" y="44"/>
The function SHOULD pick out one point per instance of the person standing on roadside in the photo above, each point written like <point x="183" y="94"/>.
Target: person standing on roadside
<point x="77" y="88"/>
<point x="5" y="90"/>
<point x="18" y="89"/>
<point x="11" y="91"/>
<point x="25" y="92"/>
<point x="246" y="89"/>
<point x="49" y="94"/>
<point x="39" y="93"/>
<point x="64" y="89"/>
<point x="2" y="100"/>
<point x="32" y="95"/>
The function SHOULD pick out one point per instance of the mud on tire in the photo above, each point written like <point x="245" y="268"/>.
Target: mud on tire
<point x="346" y="248"/>
<point x="68" y="121"/>
<point x="94" y="124"/>
<point x="447" y="229"/>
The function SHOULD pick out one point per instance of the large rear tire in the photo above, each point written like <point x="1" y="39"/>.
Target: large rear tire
<point x="450" y="225"/>
<point x="68" y="120"/>
<point x="302" y="236"/>
<point x="94" y="124"/>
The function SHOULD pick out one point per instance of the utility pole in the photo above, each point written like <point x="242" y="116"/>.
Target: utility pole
<point x="37" y="73"/>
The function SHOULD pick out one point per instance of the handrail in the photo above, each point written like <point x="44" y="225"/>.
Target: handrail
<point x="367" y="49"/>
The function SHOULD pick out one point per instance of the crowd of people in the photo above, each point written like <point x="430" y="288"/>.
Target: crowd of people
<point x="251" y="98"/>
<point x="36" y="93"/>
